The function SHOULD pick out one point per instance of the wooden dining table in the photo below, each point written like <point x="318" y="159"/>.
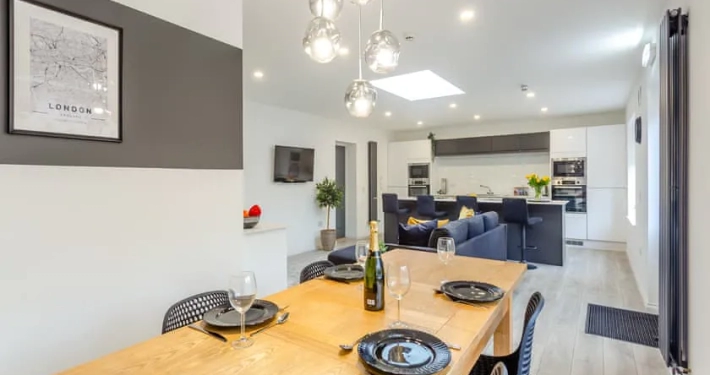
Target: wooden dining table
<point x="324" y="314"/>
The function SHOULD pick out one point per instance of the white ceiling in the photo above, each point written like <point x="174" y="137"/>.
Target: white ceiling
<point x="578" y="56"/>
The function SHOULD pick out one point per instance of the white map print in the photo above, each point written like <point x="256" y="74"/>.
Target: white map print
<point x="69" y="74"/>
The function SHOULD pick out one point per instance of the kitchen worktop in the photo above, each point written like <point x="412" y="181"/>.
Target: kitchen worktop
<point x="494" y="199"/>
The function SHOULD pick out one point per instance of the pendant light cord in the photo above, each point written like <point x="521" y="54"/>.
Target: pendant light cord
<point x="382" y="14"/>
<point x="359" y="40"/>
<point x="322" y="7"/>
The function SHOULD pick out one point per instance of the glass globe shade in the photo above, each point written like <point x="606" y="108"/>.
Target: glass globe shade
<point x="382" y="52"/>
<point x="360" y="98"/>
<point x="329" y="9"/>
<point x="360" y="2"/>
<point x="322" y="40"/>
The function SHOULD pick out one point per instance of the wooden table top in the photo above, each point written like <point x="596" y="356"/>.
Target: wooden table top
<point x="325" y="314"/>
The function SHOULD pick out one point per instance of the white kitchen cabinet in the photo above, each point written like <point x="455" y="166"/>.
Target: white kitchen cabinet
<point x="418" y="151"/>
<point x="400" y="191"/>
<point x="576" y="226"/>
<point x="568" y="143"/>
<point x="606" y="215"/>
<point x="606" y="156"/>
<point x="400" y="155"/>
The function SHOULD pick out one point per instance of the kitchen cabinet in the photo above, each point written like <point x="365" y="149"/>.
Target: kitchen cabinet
<point x="463" y="146"/>
<point x="576" y="226"/>
<point x="606" y="215"/>
<point x="505" y="143"/>
<point x="400" y="155"/>
<point x="606" y="156"/>
<point x="533" y="142"/>
<point x="568" y="143"/>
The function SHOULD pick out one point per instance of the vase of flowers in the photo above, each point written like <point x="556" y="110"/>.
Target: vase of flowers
<point x="537" y="183"/>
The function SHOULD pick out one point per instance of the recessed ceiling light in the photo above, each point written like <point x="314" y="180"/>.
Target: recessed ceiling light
<point x="388" y="114"/>
<point x="544" y="109"/>
<point x="477" y="117"/>
<point x="466" y="15"/>
<point x="530" y="94"/>
<point x="420" y="85"/>
<point x="452" y="105"/>
<point x="344" y="51"/>
<point x="420" y="123"/>
<point x="258" y="74"/>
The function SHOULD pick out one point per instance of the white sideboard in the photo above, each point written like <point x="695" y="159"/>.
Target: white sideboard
<point x="265" y="253"/>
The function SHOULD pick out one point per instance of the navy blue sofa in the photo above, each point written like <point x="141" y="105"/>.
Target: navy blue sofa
<point x="481" y="236"/>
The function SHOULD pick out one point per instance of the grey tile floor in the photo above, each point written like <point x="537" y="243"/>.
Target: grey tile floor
<point x="561" y="347"/>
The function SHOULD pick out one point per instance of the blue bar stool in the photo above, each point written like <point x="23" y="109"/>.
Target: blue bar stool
<point x="426" y="208"/>
<point x="390" y="205"/>
<point x="466" y="201"/>
<point x="515" y="210"/>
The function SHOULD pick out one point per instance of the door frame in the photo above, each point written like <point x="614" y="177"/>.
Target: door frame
<point x="350" y="203"/>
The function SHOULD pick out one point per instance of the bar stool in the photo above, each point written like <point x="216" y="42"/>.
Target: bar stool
<point x="515" y="210"/>
<point x="426" y="208"/>
<point x="466" y="201"/>
<point x="390" y="205"/>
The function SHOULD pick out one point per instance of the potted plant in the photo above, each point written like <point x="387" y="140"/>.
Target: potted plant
<point x="328" y="196"/>
<point x="537" y="183"/>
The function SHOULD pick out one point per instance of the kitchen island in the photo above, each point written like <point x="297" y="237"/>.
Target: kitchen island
<point x="548" y="236"/>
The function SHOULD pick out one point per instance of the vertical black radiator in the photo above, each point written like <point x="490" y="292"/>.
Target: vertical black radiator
<point x="673" y="304"/>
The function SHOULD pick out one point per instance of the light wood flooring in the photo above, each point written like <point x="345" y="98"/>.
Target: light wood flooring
<point x="561" y="347"/>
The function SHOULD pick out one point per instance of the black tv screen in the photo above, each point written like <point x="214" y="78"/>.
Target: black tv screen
<point x="293" y="164"/>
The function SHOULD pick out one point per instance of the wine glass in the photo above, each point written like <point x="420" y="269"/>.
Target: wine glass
<point x="242" y="292"/>
<point x="446" y="249"/>
<point x="398" y="284"/>
<point x="362" y="248"/>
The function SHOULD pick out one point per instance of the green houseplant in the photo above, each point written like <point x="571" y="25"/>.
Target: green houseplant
<point x="328" y="196"/>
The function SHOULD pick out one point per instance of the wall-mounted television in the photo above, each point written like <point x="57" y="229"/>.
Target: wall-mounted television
<point x="293" y="164"/>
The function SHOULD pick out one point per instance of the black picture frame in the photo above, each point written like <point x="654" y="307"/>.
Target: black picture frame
<point x="10" y="13"/>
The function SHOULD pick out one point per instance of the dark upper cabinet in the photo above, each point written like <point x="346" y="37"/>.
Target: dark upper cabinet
<point x="505" y="143"/>
<point x="535" y="142"/>
<point x="496" y="144"/>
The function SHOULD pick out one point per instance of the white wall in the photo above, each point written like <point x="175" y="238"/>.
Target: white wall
<point x="294" y="205"/>
<point x="93" y="257"/>
<point x="512" y="127"/>
<point x="502" y="172"/>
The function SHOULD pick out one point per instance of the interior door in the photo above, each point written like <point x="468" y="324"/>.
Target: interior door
<point x="340" y="181"/>
<point x="372" y="179"/>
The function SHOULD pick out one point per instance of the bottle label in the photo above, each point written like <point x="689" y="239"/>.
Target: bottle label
<point x="371" y="302"/>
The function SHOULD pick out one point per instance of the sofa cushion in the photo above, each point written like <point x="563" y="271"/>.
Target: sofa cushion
<point x="476" y="227"/>
<point x="458" y="230"/>
<point x="466" y="212"/>
<point x="414" y="221"/>
<point x="416" y="235"/>
<point x="490" y="219"/>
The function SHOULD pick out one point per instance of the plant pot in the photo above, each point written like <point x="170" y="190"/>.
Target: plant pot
<point x="327" y="239"/>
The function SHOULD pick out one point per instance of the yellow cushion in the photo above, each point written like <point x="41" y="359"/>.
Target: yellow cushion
<point x="414" y="221"/>
<point x="466" y="213"/>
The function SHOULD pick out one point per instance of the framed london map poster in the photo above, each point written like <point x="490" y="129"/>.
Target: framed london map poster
<point x="65" y="74"/>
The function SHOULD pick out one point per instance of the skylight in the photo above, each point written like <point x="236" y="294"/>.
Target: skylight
<point x="418" y="86"/>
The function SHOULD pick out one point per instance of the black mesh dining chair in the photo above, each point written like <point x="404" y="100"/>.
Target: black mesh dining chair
<point x="314" y="270"/>
<point x="191" y="309"/>
<point x="518" y="362"/>
<point x="499" y="369"/>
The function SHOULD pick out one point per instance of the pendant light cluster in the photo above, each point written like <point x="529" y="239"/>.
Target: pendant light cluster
<point x="322" y="43"/>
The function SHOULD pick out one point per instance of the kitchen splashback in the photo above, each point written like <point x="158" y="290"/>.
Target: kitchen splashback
<point x="502" y="172"/>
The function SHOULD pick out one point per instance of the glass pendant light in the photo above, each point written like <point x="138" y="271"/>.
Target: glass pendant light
<point x="322" y="40"/>
<point x="329" y="9"/>
<point x="382" y="50"/>
<point x="361" y="96"/>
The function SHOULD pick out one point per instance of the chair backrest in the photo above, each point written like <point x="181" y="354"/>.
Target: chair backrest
<point x="515" y="210"/>
<point x="466" y="201"/>
<point x="315" y="269"/>
<point x="525" y="349"/>
<point x="390" y="203"/>
<point x="426" y="205"/>
<point x="192" y="308"/>
<point x="500" y="369"/>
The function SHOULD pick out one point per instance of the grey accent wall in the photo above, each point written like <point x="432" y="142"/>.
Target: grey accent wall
<point x="182" y="99"/>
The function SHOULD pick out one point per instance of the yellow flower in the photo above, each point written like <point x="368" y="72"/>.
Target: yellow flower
<point x="527" y="177"/>
<point x="546" y="179"/>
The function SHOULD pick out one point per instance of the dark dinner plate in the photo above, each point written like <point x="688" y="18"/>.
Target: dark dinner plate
<point x="346" y="272"/>
<point x="260" y="312"/>
<point x="472" y="291"/>
<point x="403" y="352"/>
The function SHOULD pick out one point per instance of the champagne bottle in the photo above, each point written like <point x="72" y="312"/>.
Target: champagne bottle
<point x="374" y="296"/>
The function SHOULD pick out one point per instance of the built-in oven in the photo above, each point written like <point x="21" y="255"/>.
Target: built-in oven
<point x="569" y="167"/>
<point x="418" y="171"/>
<point x="419" y="186"/>
<point x="574" y="191"/>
